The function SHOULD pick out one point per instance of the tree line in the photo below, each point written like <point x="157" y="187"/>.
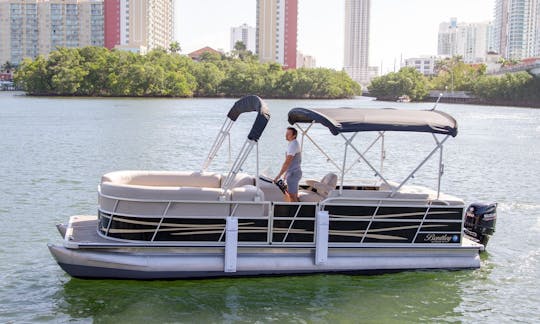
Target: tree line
<point x="452" y="74"/>
<point x="97" y="71"/>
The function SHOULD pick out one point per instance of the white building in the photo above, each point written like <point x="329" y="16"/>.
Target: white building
<point x="472" y="41"/>
<point x="305" y="61"/>
<point x="245" y="34"/>
<point x="517" y="28"/>
<point x="356" y="60"/>
<point x="447" y="38"/>
<point x="423" y="64"/>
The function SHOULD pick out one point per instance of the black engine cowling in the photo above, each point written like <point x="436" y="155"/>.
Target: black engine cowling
<point x="480" y="220"/>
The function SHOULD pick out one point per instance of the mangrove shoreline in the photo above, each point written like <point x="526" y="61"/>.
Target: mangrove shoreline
<point x="99" y="72"/>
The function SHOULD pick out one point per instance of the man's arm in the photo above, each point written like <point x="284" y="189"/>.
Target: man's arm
<point x="288" y="160"/>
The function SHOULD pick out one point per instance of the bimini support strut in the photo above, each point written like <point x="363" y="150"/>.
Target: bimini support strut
<point x="246" y="104"/>
<point x="238" y="163"/>
<point x="438" y="146"/>
<point x="361" y="155"/>
<point x="224" y="133"/>
<point x="305" y="134"/>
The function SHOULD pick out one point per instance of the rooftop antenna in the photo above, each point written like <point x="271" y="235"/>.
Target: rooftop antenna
<point x="437" y="102"/>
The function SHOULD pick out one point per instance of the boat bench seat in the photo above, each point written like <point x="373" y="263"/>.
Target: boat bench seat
<point x="164" y="178"/>
<point x="247" y="193"/>
<point x="134" y="190"/>
<point x="131" y="200"/>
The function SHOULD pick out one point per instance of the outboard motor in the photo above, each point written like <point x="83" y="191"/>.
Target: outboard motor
<point x="480" y="221"/>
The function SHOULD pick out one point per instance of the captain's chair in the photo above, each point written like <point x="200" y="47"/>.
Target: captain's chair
<point x="318" y="190"/>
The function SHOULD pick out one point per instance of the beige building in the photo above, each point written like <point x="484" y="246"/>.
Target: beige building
<point x="29" y="28"/>
<point x="139" y="25"/>
<point x="276" y="31"/>
<point x="305" y="61"/>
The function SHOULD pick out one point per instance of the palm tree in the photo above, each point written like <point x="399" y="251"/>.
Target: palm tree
<point x="240" y="51"/>
<point x="174" y="47"/>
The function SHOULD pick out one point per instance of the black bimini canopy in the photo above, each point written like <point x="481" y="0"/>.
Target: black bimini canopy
<point x="345" y="120"/>
<point x="248" y="104"/>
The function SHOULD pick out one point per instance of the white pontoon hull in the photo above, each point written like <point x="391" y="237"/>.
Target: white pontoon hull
<point x="171" y="263"/>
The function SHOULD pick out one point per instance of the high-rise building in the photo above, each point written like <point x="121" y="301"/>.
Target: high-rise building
<point x="305" y="61"/>
<point x="277" y="31"/>
<point x="139" y="25"/>
<point x="517" y="28"/>
<point x="29" y="28"/>
<point x="447" y="38"/>
<point x="471" y="41"/>
<point x="244" y="34"/>
<point x="356" y="58"/>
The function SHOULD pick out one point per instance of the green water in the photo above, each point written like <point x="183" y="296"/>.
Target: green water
<point x="55" y="149"/>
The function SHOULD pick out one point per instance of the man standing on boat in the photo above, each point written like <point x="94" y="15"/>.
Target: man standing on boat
<point x="291" y="166"/>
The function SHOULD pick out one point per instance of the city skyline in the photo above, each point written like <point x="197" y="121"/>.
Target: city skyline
<point x="409" y="29"/>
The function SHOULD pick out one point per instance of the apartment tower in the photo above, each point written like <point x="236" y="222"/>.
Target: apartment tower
<point x="472" y="41"/>
<point x="244" y="34"/>
<point x="29" y="28"/>
<point x="356" y="58"/>
<point x="517" y="28"/>
<point x="138" y="25"/>
<point x="277" y="31"/>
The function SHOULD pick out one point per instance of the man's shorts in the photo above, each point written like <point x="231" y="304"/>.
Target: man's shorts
<point x="293" y="179"/>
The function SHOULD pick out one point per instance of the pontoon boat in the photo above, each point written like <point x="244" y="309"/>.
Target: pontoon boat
<point x="164" y="225"/>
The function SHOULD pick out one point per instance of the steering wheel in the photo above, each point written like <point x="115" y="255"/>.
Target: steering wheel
<point x="280" y="183"/>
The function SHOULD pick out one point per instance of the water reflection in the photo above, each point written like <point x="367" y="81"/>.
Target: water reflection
<point x="407" y="296"/>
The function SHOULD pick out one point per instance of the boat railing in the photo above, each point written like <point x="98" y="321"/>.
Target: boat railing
<point x="263" y="223"/>
<point x="256" y="218"/>
<point x="373" y="213"/>
<point x="409" y="201"/>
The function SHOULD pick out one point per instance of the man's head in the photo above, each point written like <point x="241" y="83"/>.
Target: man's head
<point x="291" y="133"/>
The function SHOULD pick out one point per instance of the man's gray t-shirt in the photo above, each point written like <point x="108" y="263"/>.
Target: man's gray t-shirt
<point x="294" y="150"/>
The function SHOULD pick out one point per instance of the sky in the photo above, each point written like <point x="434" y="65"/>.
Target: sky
<point x="399" y="28"/>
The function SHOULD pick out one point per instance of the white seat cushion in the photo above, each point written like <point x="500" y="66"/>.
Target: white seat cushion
<point x="309" y="196"/>
<point x="164" y="178"/>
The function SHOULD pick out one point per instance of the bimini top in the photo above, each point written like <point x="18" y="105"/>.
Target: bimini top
<point x="344" y="120"/>
<point x="248" y="104"/>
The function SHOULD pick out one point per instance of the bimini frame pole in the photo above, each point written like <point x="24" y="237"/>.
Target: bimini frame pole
<point x="344" y="164"/>
<point x="224" y="132"/>
<point x="377" y="173"/>
<point x="381" y="136"/>
<point x="437" y="147"/>
<point x="383" y="153"/>
<point x="441" y="166"/>
<point x="304" y="133"/>
<point x="242" y="156"/>
<point x="257" y="184"/>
